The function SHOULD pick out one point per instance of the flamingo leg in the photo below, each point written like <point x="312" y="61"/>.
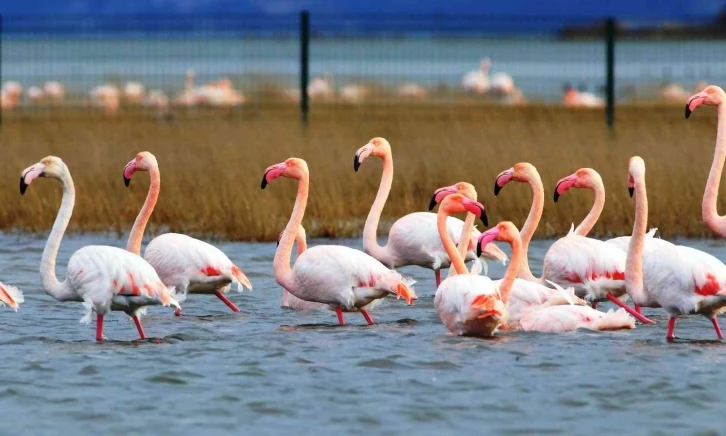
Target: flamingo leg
<point x="370" y="320"/>
<point x="339" y="312"/>
<point x="137" y="321"/>
<point x="670" y="336"/>
<point x="438" y="277"/>
<point x="637" y="308"/>
<point x="99" y="328"/>
<point x="226" y="301"/>
<point x="629" y="309"/>
<point x="594" y="304"/>
<point x="717" y="327"/>
<point x="177" y="312"/>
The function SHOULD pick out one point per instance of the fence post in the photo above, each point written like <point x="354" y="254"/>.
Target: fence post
<point x="304" y="63"/>
<point x="610" y="71"/>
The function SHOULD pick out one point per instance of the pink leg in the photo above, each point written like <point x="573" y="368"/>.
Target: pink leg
<point x="671" y="327"/>
<point x="99" y="328"/>
<point x="594" y="304"/>
<point x="438" y="278"/>
<point x="717" y="327"/>
<point x="368" y="317"/>
<point x="339" y="312"/>
<point x="226" y="301"/>
<point x="177" y="312"/>
<point x="630" y="310"/>
<point x="137" y="321"/>
<point x="637" y="308"/>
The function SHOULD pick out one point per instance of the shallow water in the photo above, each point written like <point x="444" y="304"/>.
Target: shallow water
<point x="267" y="370"/>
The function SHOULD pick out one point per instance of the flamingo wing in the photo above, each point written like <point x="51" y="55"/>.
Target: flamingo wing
<point x="11" y="296"/>
<point x="559" y="319"/>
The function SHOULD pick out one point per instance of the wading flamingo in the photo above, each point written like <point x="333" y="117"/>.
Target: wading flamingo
<point x="469" y="304"/>
<point x="188" y="264"/>
<point x="341" y="277"/>
<point x="534" y="307"/>
<point x="103" y="278"/>
<point x="413" y="239"/>
<point x="681" y="280"/>
<point x="594" y="268"/>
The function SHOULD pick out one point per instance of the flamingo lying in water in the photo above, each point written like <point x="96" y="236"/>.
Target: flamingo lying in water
<point x="413" y="239"/>
<point x="594" y="268"/>
<point x="341" y="277"/>
<point x="102" y="278"/>
<point x="680" y="279"/>
<point x="187" y="264"/>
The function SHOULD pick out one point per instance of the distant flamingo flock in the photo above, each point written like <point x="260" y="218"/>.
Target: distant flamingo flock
<point x="578" y="272"/>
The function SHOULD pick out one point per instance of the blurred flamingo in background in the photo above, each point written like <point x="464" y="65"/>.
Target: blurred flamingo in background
<point x="477" y="81"/>
<point x="10" y="94"/>
<point x="187" y="264"/>
<point x="133" y="92"/>
<point x="412" y="91"/>
<point x="54" y="91"/>
<point x="341" y="277"/>
<point x="106" y="97"/>
<point x="103" y="278"/>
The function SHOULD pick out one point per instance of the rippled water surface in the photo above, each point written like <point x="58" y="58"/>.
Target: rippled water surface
<point x="267" y="370"/>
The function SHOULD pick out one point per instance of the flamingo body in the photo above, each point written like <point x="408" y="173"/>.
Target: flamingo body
<point x="559" y="319"/>
<point x="455" y="303"/>
<point x="527" y="296"/>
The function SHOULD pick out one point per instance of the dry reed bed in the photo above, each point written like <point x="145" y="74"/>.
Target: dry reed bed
<point x="212" y="167"/>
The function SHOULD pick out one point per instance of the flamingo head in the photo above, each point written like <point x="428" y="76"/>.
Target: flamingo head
<point x="143" y="161"/>
<point x="294" y="168"/>
<point x="378" y="147"/>
<point x="463" y="188"/>
<point x="582" y="178"/>
<point x="711" y="95"/>
<point x="457" y="203"/>
<point x="505" y="231"/>
<point x="521" y="172"/>
<point x="636" y="169"/>
<point x="49" y="166"/>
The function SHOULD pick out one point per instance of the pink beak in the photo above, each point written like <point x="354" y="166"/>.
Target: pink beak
<point x="29" y="174"/>
<point x="273" y="172"/>
<point x="695" y="101"/>
<point x="129" y="171"/>
<point x="440" y="194"/>
<point x="361" y="154"/>
<point x="563" y="185"/>
<point x="502" y="179"/>
<point x="486" y="238"/>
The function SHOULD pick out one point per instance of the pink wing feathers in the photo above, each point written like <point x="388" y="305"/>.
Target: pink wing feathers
<point x="559" y="319"/>
<point x="11" y="296"/>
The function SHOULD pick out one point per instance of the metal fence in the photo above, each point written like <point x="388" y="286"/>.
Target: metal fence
<point x="119" y="63"/>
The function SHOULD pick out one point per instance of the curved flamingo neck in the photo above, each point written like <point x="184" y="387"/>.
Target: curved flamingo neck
<point x="370" y="240"/>
<point x="457" y="261"/>
<point x="599" y="204"/>
<point x="137" y="231"/>
<point x="530" y="226"/>
<point x="465" y="238"/>
<point x="300" y="242"/>
<point x="281" y="263"/>
<point x="518" y="255"/>
<point x="51" y="284"/>
<point x="634" y="259"/>
<point x="709" y="207"/>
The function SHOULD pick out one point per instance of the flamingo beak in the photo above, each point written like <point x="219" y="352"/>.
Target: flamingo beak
<point x="486" y="238"/>
<point x="361" y="154"/>
<point x="440" y="194"/>
<point x="477" y="209"/>
<point x="29" y="174"/>
<point x="631" y="190"/>
<point x="694" y="102"/>
<point x="129" y="171"/>
<point x="502" y="179"/>
<point x="563" y="185"/>
<point x="272" y="172"/>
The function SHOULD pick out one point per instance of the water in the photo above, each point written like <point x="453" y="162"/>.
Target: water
<point x="267" y="370"/>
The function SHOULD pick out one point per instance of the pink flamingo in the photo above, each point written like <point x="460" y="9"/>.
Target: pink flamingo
<point x="103" y="278"/>
<point x="594" y="268"/>
<point x="341" y="277"/>
<point x="11" y="296"/>
<point x="470" y="304"/>
<point x="680" y="279"/>
<point x="413" y="239"/>
<point x="187" y="264"/>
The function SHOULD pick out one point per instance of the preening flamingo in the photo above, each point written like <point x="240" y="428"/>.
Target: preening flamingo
<point x="469" y="304"/>
<point x="594" y="268"/>
<point x="187" y="264"/>
<point x="413" y="239"/>
<point x="341" y="277"/>
<point x="103" y="278"/>
<point x="680" y="279"/>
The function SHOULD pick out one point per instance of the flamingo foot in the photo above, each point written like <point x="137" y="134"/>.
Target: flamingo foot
<point x="717" y="327"/>
<point x="368" y="317"/>
<point x="594" y="305"/>
<point x="637" y="308"/>
<point x="226" y="301"/>
<point x="670" y="336"/>
<point x="438" y="278"/>
<point x="339" y="312"/>
<point x="177" y="312"/>
<point x="99" y="328"/>
<point x="630" y="310"/>
<point x="137" y="321"/>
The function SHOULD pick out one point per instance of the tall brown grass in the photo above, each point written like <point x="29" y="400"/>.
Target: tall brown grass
<point x="212" y="166"/>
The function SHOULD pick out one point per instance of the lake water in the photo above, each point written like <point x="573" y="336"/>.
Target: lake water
<point x="267" y="370"/>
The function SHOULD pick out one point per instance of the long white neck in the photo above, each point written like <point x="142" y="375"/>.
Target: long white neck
<point x="709" y="206"/>
<point x="634" y="259"/>
<point x="370" y="240"/>
<point x="598" y="205"/>
<point x="530" y="226"/>
<point x="51" y="284"/>
<point x="281" y="263"/>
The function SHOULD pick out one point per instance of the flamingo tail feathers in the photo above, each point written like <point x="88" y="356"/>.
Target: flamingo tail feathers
<point x="404" y="289"/>
<point x="614" y="320"/>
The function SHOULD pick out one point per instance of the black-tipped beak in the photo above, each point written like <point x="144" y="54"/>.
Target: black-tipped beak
<point x="557" y="195"/>
<point x="688" y="110"/>
<point x="483" y="217"/>
<point x="433" y="203"/>
<point x="263" y="185"/>
<point x="478" y="250"/>
<point x="497" y="188"/>
<point x="356" y="164"/>
<point x="23" y="185"/>
<point x="631" y="191"/>
<point x="278" y="242"/>
<point x="126" y="181"/>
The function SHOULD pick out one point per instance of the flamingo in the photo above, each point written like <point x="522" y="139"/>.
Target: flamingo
<point x="594" y="268"/>
<point x="413" y="239"/>
<point x="353" y="93"/>
<point x="133" y="92"/>
<point x="103" y="278"/>
<point x="106" y="97"/>
<point x="54" y="90"/>
<point x="412" y="91"/>
<point x="681" y="280"/>
<point x="341" y="277"/>
<point x="470" y="304"/>
<point x="187" y="264"/>
<point x="478" y="81"/>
